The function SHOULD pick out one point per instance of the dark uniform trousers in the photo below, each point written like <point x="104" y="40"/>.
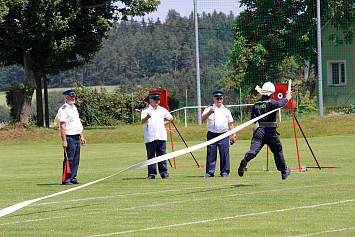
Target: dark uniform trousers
<point x="73" y="151"/>
<point x="269" y="136"/>
<point x="158" y="147"/>
<point x="223" y="147"/>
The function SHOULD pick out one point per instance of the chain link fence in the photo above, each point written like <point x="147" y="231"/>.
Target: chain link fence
<point x="299" y="56"/>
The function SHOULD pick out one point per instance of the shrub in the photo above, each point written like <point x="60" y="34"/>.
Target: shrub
<point x="4" y="114"/>
<point x="306" y="104"/>
<point x="107" y="109"/>
<point x="348" y="109"/>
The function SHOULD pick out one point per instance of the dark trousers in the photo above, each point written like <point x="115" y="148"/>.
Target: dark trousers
<point x="269" y="137"/>
<point x="73" y="151"/>
<point x="157" y="147"/>
<point x="223" y="147"/>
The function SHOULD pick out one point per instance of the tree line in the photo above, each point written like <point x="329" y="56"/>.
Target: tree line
<point x="150" y="55"/>
<point x="59" y="43"/>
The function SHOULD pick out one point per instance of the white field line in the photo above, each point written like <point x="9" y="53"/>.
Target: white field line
<point x="167" y="203"/>
<point x="136" y="194"/>
<point x="225" y="218"/>
<point x="176" y="190"/>
<point x="326" y="231"/>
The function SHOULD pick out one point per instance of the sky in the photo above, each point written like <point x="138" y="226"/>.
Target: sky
<point x="185" y="7"/>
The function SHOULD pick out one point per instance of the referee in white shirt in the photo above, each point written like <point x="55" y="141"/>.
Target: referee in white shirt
<point x="154" y="117"/>
<point x="71" y="131"/>
<point x="219" y="120"/>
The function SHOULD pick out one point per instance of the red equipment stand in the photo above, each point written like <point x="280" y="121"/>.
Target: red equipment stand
<point x="280" y="92"/>
<point x="164" y="103"/>
<point x="298" y="154"/>
<point x="184" y="143"/>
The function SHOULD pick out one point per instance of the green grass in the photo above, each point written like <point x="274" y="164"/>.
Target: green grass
<point x="258" y="204"/>
<point x="313" y="127"/>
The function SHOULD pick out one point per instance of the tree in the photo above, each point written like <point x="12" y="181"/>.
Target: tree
<point x="342" y="15"/>
<point x="50" y="36"/>
<point x="129" y="58"/>
<point x="270" y="32"/>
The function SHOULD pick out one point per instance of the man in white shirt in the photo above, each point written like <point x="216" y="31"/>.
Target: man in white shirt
<point x="219" y="120"/>
<point x="154" y="118"/>
<point x="71" y="131"/>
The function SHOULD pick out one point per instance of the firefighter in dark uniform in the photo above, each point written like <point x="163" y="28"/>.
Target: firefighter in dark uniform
<point x="265" y="129"/>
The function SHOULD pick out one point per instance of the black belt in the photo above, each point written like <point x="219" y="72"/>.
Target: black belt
<point x="77" y="135"/>
<point x="216" y="132"/>
<point x="268" y="124"/>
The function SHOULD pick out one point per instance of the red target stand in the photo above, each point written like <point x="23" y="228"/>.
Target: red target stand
<point x="164" y="103"/>
<point x="280" y="93"/>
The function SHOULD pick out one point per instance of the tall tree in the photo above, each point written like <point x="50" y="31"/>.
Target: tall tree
<point x="342" y="16"/>
<point x="50" y="36"/>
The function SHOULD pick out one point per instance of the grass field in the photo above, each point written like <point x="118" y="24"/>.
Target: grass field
<point x="331" y="125"/>
<point x="315" y="202"/>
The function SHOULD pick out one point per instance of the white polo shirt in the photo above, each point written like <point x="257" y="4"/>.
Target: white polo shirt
<point x="69" y="114"/>
<point x="154" y="128"/>
<point x="218" y="121"/>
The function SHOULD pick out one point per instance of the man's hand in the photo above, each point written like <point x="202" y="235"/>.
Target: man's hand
<point x="168" y="121"/>
<point x="83" y="141"/>
<point x="233" y="139"/>
<point x="206" y="115"/>
<point x="145" y="119"/>
<point x="289" y="95"/>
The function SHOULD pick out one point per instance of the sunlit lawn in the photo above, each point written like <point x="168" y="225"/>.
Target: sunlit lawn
<point x="258" y="204"/>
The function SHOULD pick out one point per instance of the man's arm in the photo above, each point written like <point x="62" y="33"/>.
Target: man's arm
<point x="145" y="119"/>
<point x="234" y="136"/>
<point x="206" y="115"/>
<point x="63" y="134"/>
<point x="281" y="103"/>
<point x="168" y="121"/>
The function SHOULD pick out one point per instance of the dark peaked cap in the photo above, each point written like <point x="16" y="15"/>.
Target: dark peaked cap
<point x="155" y="95"/>
<point x="70" y="92"/>
<point x="218" y="93"/>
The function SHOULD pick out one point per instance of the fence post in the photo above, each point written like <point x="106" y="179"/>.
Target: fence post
<point x="240" y="102"/>
<point x="185" y="118"/>
<point x="319" y="54"/>
<point x="132" y="110"/>
<point x="297" y="100"/>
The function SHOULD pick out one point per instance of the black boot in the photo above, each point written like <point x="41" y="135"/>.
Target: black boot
<point x="286" y="174"/>
<point x="242" y="166"/>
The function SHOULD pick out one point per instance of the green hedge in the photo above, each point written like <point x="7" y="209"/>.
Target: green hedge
<point x="109" y="109"/>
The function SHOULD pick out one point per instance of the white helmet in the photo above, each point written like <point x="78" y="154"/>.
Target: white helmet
<point x="268" y="89"/>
